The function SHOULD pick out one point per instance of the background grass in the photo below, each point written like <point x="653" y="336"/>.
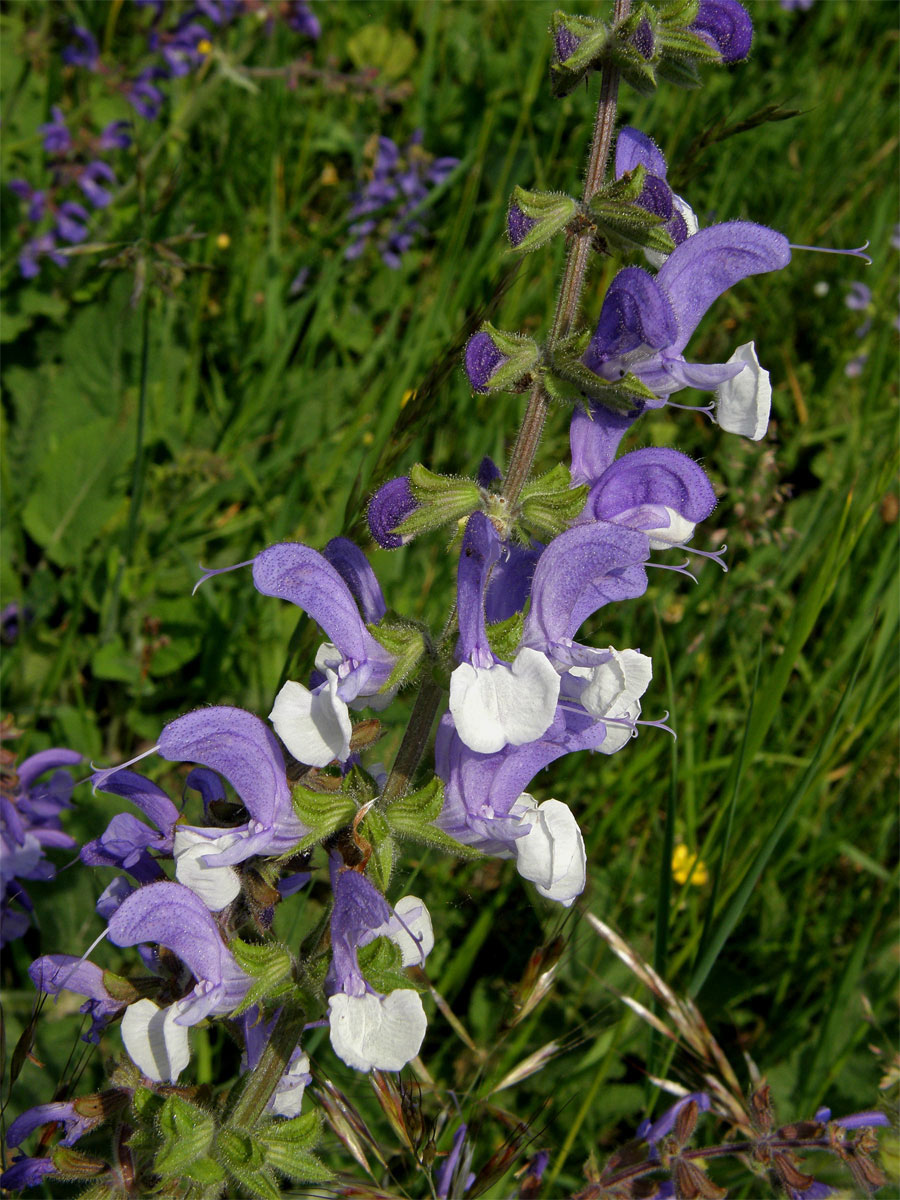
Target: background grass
<point x="270" y="415"/>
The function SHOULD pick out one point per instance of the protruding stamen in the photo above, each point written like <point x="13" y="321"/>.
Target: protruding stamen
<point x="660" y="724"/>
<point x="706" y="409"/>
<point x="678" y="570"/>
<point x="75" y="965"/>
<point x="208" y="572"/>
<point x="101" y="774"/>
<point x="715" y="555"/>
<point x="859" y="252"/>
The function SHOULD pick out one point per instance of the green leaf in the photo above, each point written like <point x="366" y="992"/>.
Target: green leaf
<point x="288" y="1145"/>
<point x="391" y="51"/>
<point x="381" y="962"/>
<point x="187" y="1133"/>
<point x="443" y="500"/>
<point x="114" y="661"/>
<point x="78" y="489"/>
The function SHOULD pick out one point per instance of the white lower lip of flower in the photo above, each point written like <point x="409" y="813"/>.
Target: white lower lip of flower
<point x="744" y="402"/>
<point x="613" y="688"/>
<point x="154" y="1042"/>
<point x="377" y="1032"/>
<point x="551" y="855"/>
<point x="287" y="1099"/>
<point x="496" y="706"/>
<point x="412" y="932"/>
<point x="315" y="726"/>
<point x="216" y="886"/>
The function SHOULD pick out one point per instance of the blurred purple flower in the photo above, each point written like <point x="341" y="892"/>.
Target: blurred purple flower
<point x="114" y="136"/>
<point x="88" y="181"/>
<point x="26" y="1173"/>
<point x="143" y="95"/>
<point x="37" y="201"/>
<point x="71" y="222"/>
<point x="56" y="134"/>
<point x="182" y="48"/>
<point x="302" y="19"/>
<point x="29" y="825"/>
<point x="854" y="367"/>
<point x="400" y="183"/>
<point x="85" y="55"/>
<point x="859" y="297"/>
<point x="43" y="246"/>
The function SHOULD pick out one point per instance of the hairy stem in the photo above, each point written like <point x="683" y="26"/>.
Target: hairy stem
<point x="414" y="740"/>
<point x="529" y="435"/>
<point x="260" y="1083"/>
<point x="567" y="302"/>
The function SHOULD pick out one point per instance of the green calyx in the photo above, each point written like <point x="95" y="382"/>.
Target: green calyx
<point x="627" y="49"/>
<point x="521" y="354"/>
<point x="552" y="212"/>
<point x="621" y="222"/>
<point x="408" y="641"/>
<point x="568" y="380"/>
<point x="271" y="967"/>
<point x="549" y="504"/>
<point x="323" y="813"/>
<point x="186" y="1133"/>
<point x="442" y="500"/>
<point x="412" y="816"/>
<point x="592" y="40"/>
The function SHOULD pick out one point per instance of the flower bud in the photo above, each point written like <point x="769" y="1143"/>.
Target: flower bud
<point x="535" y="217"/>
<point x="388" y="508"/>
<point x="497" y="361"/>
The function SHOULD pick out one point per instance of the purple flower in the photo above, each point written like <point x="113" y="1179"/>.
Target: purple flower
<point x="183" y="48"/>
<point x="26" y="1173"/>
<point x="726" y="26"/>
<point x="518" y="226"/>
<point x="646" y="321"/>
<point x="242" y="749"/>
<point x="88" y="178"/>
<point x="37" y="201"/>
<point x="126" y="843"/>
<point x="143" y="95"/>
<point x="356" y="571"/>
<point x="634" y="149"/>
<point x="306" y="578"/>
<point x="115" y="136"/>
<point x="54" y="973"/>
<point x="43" y="246"/>
<point x="29" y="825"/>
<point x="71" y="222"/>
<point x="456" y="1167"/>
<point x="302" y="19"/>
<point x="85" y="55"/>
<point x="56" y="134"/>
<point x="369" y="1029"/>
<point x="855" y="366"/>
<point x="287" y="1098"/>
<point x="859" y="297"/>
<point x="397" y="180"/>
<point x="64" y="1112"/>
<point x="173" y="916"/>
<point x="388" y="508"/>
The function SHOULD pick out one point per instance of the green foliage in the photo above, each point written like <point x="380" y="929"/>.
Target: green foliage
<point x="549" y="503"/>
<point x="186" y="1135"/>
<point x="412" y="817"/>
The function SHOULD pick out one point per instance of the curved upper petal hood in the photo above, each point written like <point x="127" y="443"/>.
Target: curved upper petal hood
<point x="244" y="750"/>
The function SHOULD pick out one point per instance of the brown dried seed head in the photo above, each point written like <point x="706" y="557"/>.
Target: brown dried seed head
<point x="792" y="1176"/>
<point x="685" y="1122"/>
<point x="693" y="1184"/>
